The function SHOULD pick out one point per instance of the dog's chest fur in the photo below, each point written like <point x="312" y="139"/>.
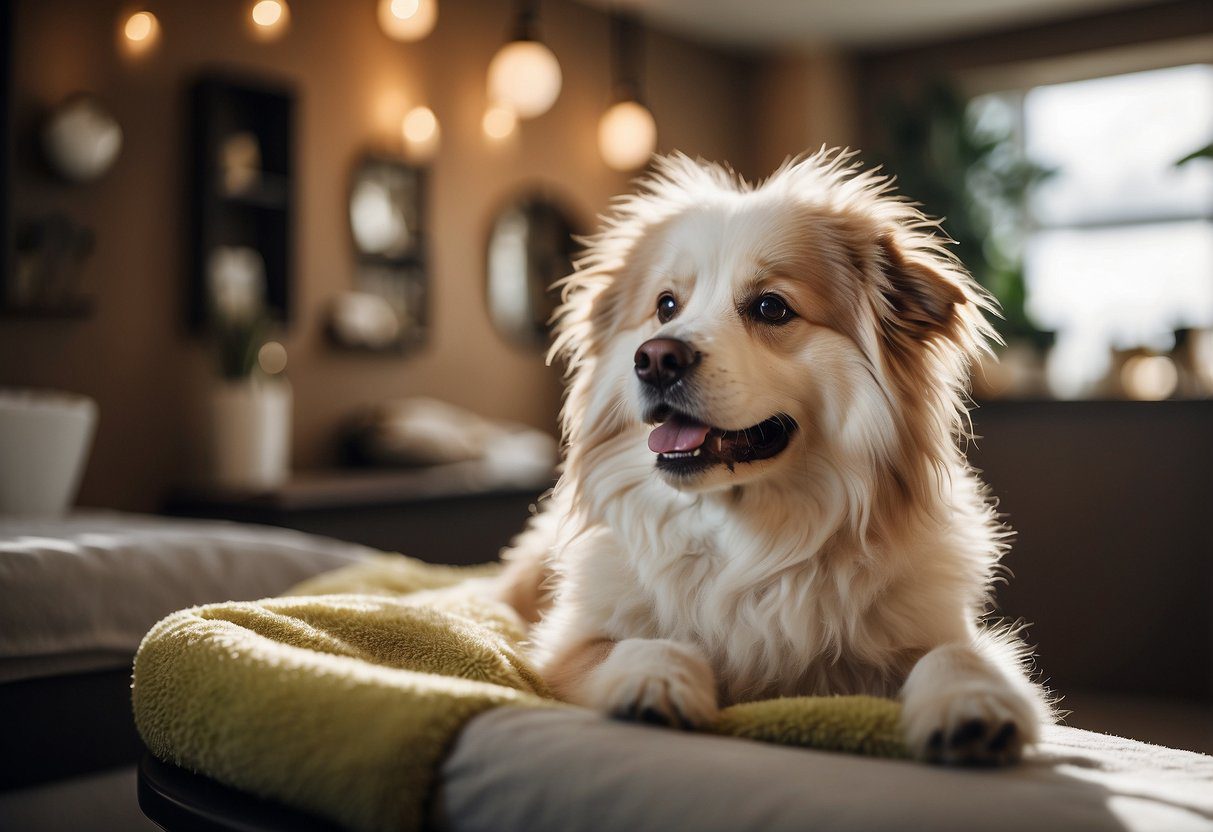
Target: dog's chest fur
<point x="775" y="615"/>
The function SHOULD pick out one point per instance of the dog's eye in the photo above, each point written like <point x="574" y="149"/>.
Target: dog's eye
<point x="667" y="307"/>
<point x="771" y="309"/>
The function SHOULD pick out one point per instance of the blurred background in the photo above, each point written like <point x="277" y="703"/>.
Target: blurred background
<point x="286" y="262"/>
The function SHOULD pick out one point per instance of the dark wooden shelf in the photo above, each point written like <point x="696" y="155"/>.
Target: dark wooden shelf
<point x="259" y="217"/>
<point x="458" y="513"/>
<point x="269" y="191"/>
<point x="1063" y="405"/>
<point x="377" y="486"/>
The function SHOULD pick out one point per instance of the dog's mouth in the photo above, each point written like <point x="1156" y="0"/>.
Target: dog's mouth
<point x="684" y="445"/>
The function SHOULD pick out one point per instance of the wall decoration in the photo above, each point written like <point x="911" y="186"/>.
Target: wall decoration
<point x="235" y="283"/>
<point x="81" y="140"/>
<point x="531" y="246"/>
<point x="241" y="186"/>
<point x="239" y="163"/>
<point x="387" y="310"/>
<point x="44" y="256"/>
<point x="50" y="255"/>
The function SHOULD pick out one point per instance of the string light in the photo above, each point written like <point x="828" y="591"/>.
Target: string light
<point x="140" y="32"/>
<point x="524" y="75"/>
<point x="140" y="26"/>
<point x="421" y="133"/>
<point x="407" y="20"/>
<point x="269" y="18"/>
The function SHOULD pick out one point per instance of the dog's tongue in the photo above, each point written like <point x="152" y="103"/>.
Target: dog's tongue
<point x="677" y="434"/>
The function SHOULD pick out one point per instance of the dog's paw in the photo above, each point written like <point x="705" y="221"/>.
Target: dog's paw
<point x="655" y="681"/>
<point x="972" y="725"/>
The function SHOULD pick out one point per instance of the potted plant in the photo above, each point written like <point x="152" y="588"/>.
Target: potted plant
<point x="970" y="171"/>
<point x="250" y="405"/>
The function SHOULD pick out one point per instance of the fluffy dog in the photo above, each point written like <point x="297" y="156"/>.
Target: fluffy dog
<point x="764" y="492"/>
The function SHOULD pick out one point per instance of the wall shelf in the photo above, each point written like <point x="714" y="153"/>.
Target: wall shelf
<point x="241" y="184"/>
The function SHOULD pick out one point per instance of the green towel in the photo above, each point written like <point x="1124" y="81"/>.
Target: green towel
<point x="343" y="698"/>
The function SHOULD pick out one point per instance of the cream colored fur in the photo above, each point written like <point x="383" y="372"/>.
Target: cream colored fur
<point x="858" y="560"/>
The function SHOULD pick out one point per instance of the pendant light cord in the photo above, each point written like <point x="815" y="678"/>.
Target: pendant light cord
<point x="526" y="20"/>
<point x="627" y="56"/>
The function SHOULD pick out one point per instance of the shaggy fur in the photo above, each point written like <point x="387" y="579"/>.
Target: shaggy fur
<point x="857" y="560"/>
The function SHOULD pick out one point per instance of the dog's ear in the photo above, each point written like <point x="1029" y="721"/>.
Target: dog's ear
<point x="920" y="291"/>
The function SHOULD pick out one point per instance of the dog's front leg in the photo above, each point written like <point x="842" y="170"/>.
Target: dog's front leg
<point x="972" y="704"/>
<point x="653" y="680"/>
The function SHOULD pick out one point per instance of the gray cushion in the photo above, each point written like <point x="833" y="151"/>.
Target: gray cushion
<point x="569" y="770"/>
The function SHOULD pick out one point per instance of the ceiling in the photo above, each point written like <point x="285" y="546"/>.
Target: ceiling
<point x="851" y="23"/>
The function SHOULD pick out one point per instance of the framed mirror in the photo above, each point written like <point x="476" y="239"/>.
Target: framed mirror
<point x="387" y="308"/>
<point x="531" y="246"/>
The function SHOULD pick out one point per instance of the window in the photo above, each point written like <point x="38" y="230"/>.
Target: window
<point x="1119" y="251"/>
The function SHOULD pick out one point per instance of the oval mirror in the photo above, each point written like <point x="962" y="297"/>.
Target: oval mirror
<point x="531" y="246"/>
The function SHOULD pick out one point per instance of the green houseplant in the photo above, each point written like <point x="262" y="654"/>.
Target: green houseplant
<point x="250" y="409"/>
<point x="966" y="168"/>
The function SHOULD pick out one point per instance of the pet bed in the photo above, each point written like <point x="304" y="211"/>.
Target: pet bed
<point x="383" y="696"/>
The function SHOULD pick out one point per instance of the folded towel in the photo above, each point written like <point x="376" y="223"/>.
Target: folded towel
<point x="344" y="703"/>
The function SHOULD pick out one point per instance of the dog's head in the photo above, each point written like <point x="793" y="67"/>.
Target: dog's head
<point x="814" y="314"/>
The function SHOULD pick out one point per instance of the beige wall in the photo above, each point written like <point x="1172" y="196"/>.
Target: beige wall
<point x="132" y="353"/>
<point x="803" y="100"/>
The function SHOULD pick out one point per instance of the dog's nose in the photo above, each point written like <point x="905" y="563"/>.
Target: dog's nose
<point x="662" y="361"/>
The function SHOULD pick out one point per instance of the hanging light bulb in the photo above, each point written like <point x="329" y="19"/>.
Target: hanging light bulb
<point x="269" y="18"/>
<point x="524" y="75"/>
<point x="422" y="134"/>
<point x="407" y="20"/>
<point x="627" y="136"/>
<point x="627" y="131"/>
<point x="140" y="31"/>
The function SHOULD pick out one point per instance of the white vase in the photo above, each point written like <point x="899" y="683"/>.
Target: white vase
<point x="250" y="434"/>
<point x="44" y="442"/>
